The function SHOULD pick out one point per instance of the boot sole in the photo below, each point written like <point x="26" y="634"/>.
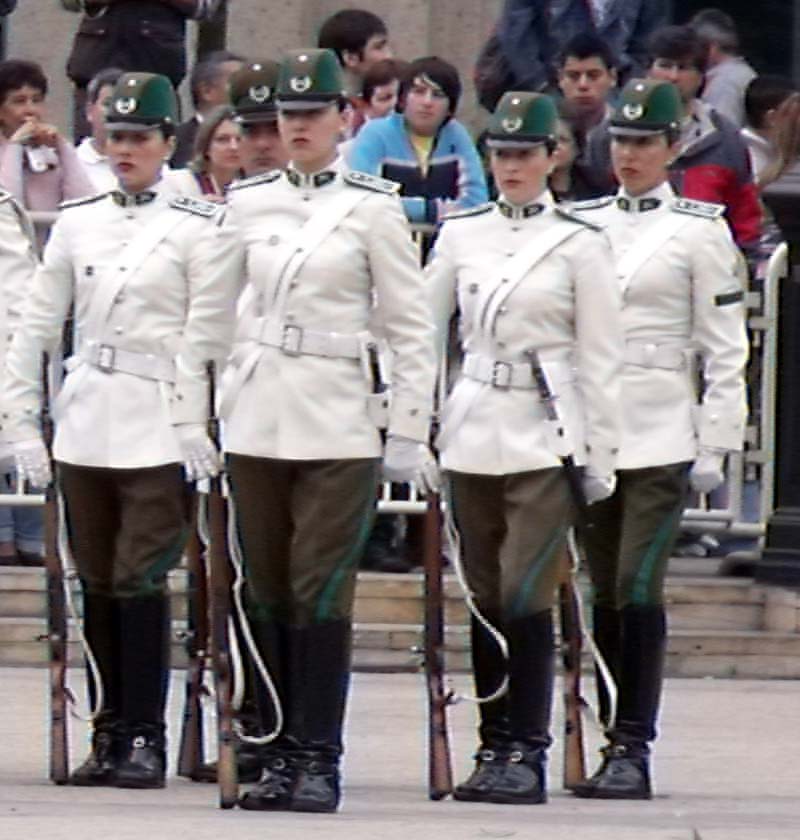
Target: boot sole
<point x="594" y="794"/>
<point x="130" y="784"/>
<point x="501" y="799"/>
<point x="471" y="797"/>
<point x="312" y="808"/>
<point x="257" y="805"/>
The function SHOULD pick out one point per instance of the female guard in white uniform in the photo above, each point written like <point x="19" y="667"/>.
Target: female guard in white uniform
<point x="151" y="278"/>
<point x="525" y="277"/>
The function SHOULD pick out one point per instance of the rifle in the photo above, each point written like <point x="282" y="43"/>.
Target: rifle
<point x="440" y="772"/>
<point x="220" y="588"/>
<point x="191" y="753"/>
<point x="56" y="606"/>
<point x="569" y="602"/>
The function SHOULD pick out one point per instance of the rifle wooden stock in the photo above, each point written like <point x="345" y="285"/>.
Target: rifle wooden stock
<point x="220" y="588"/>
<point x="440" y="773"/>
<point x="191" y="754"/>
<point x="56" y="608"/>
<point x="571" y="639"/>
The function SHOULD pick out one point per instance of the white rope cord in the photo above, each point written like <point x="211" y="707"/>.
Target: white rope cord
<point x="69" y="573"/>
<point x="263" y="672"/>
<point x="454" y="541"/>
<point x="599" y="660"/>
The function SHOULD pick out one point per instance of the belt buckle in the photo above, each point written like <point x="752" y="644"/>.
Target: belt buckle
<point x="501" y="375"/>
<point x="291" y="340"/>
<point x="105" y="358"/>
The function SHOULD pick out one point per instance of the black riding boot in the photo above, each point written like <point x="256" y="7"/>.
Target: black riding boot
<point x="101" y="632"/>
<point x="144" y="649"/>
<point x="531" y="663"/>
<point x="625" y="770"/>
<point x="276" y="770"/>
<point x="607" y="634"/>
<point x="489" y="671"/>
<point x="319" y="680"/>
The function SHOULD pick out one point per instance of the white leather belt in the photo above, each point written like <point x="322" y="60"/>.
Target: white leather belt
<point x="298" y="341"/>
<point x="506" y="375"/>
<point x="654" y="355"/>
<point x="109" y="359"/>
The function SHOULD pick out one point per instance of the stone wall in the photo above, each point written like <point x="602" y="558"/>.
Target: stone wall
<point x="455" y="29"/>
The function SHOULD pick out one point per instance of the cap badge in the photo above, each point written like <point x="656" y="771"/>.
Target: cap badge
<point x="300" y="84"/>
<point x="125" y="105"/>
<point x="633" y="111"/>
<point x="259" y="93"/>
<point x="511" y="125"/>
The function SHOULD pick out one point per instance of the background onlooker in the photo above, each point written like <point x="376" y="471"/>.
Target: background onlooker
<point x="209" y="89"/>
<point x="134" y="35"/>
<point x="381" y="88"/>
<point x="37" y="165"/>
<point x="360" y="39"/>
<point x="92" y="149"/>
<point x="423" y="147"/>
<point x="770" y="104"/>
<point x="587" y="77"/>
<point x="728" y="73"/>
<point x="216" y="161"/>
<point x="569" y="180"/>
<point x="530" y="34"/>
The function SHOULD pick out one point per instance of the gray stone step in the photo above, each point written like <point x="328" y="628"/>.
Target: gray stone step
<point x="395" y="647"/>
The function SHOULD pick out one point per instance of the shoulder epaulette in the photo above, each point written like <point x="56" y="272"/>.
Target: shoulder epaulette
<point x="478" y="210"/>
<point x="704" y="209"/>
<point x="371" y="182"/>
<point x="591" y="203"/>
<point x="195" y="205"/>
<point x="253" y="180"/>
<point x="79" y="202"/>
<point x="560" y="211"/>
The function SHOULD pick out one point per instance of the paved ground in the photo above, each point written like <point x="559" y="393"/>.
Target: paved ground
<point x="726" y="769"/>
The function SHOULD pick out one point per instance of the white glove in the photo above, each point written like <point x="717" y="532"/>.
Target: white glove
<point x="598" y="487"/>
<point x="409" y="460"/>
<point x="706" y="472"/>
<point x="32" y="462"/>
<point x="200" y="457"/>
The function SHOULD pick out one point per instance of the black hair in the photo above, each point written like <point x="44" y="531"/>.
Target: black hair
<point x="17" y="73"/>
<point x="349" y="31"/>
<point x="107" y="76"/>
<point x="588" y="45"/>
<point x="207" y="71"/>
<point x="763" y="94"/>
<point x="437" y="70"/>
<point x="679" y="43"/>
<point x="381" y="73"/>
<point x="718" y="28"/>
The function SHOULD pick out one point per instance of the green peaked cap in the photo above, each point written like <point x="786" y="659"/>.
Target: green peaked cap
<point x="522" y="118"/>
<point x="141" y="101"/>
<point x="309" y="79"/>
<point x="647" y="106"/>
<point x="251" y="91"/>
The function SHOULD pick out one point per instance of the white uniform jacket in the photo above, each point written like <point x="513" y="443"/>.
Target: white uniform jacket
<point x="327" y="257"/>
<point x="18" y="263"/>
<point x="677" y="269"/>
<point x="562" y="302"/>
<point x="153" y="287"/>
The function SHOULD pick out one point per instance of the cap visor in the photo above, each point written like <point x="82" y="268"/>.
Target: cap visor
<point x="120" y="125"/>
<point x="305" y="104"/>
<point x="630" y="131"/>
<point x="521" y="143"/>
<point x="251" y="117"/>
